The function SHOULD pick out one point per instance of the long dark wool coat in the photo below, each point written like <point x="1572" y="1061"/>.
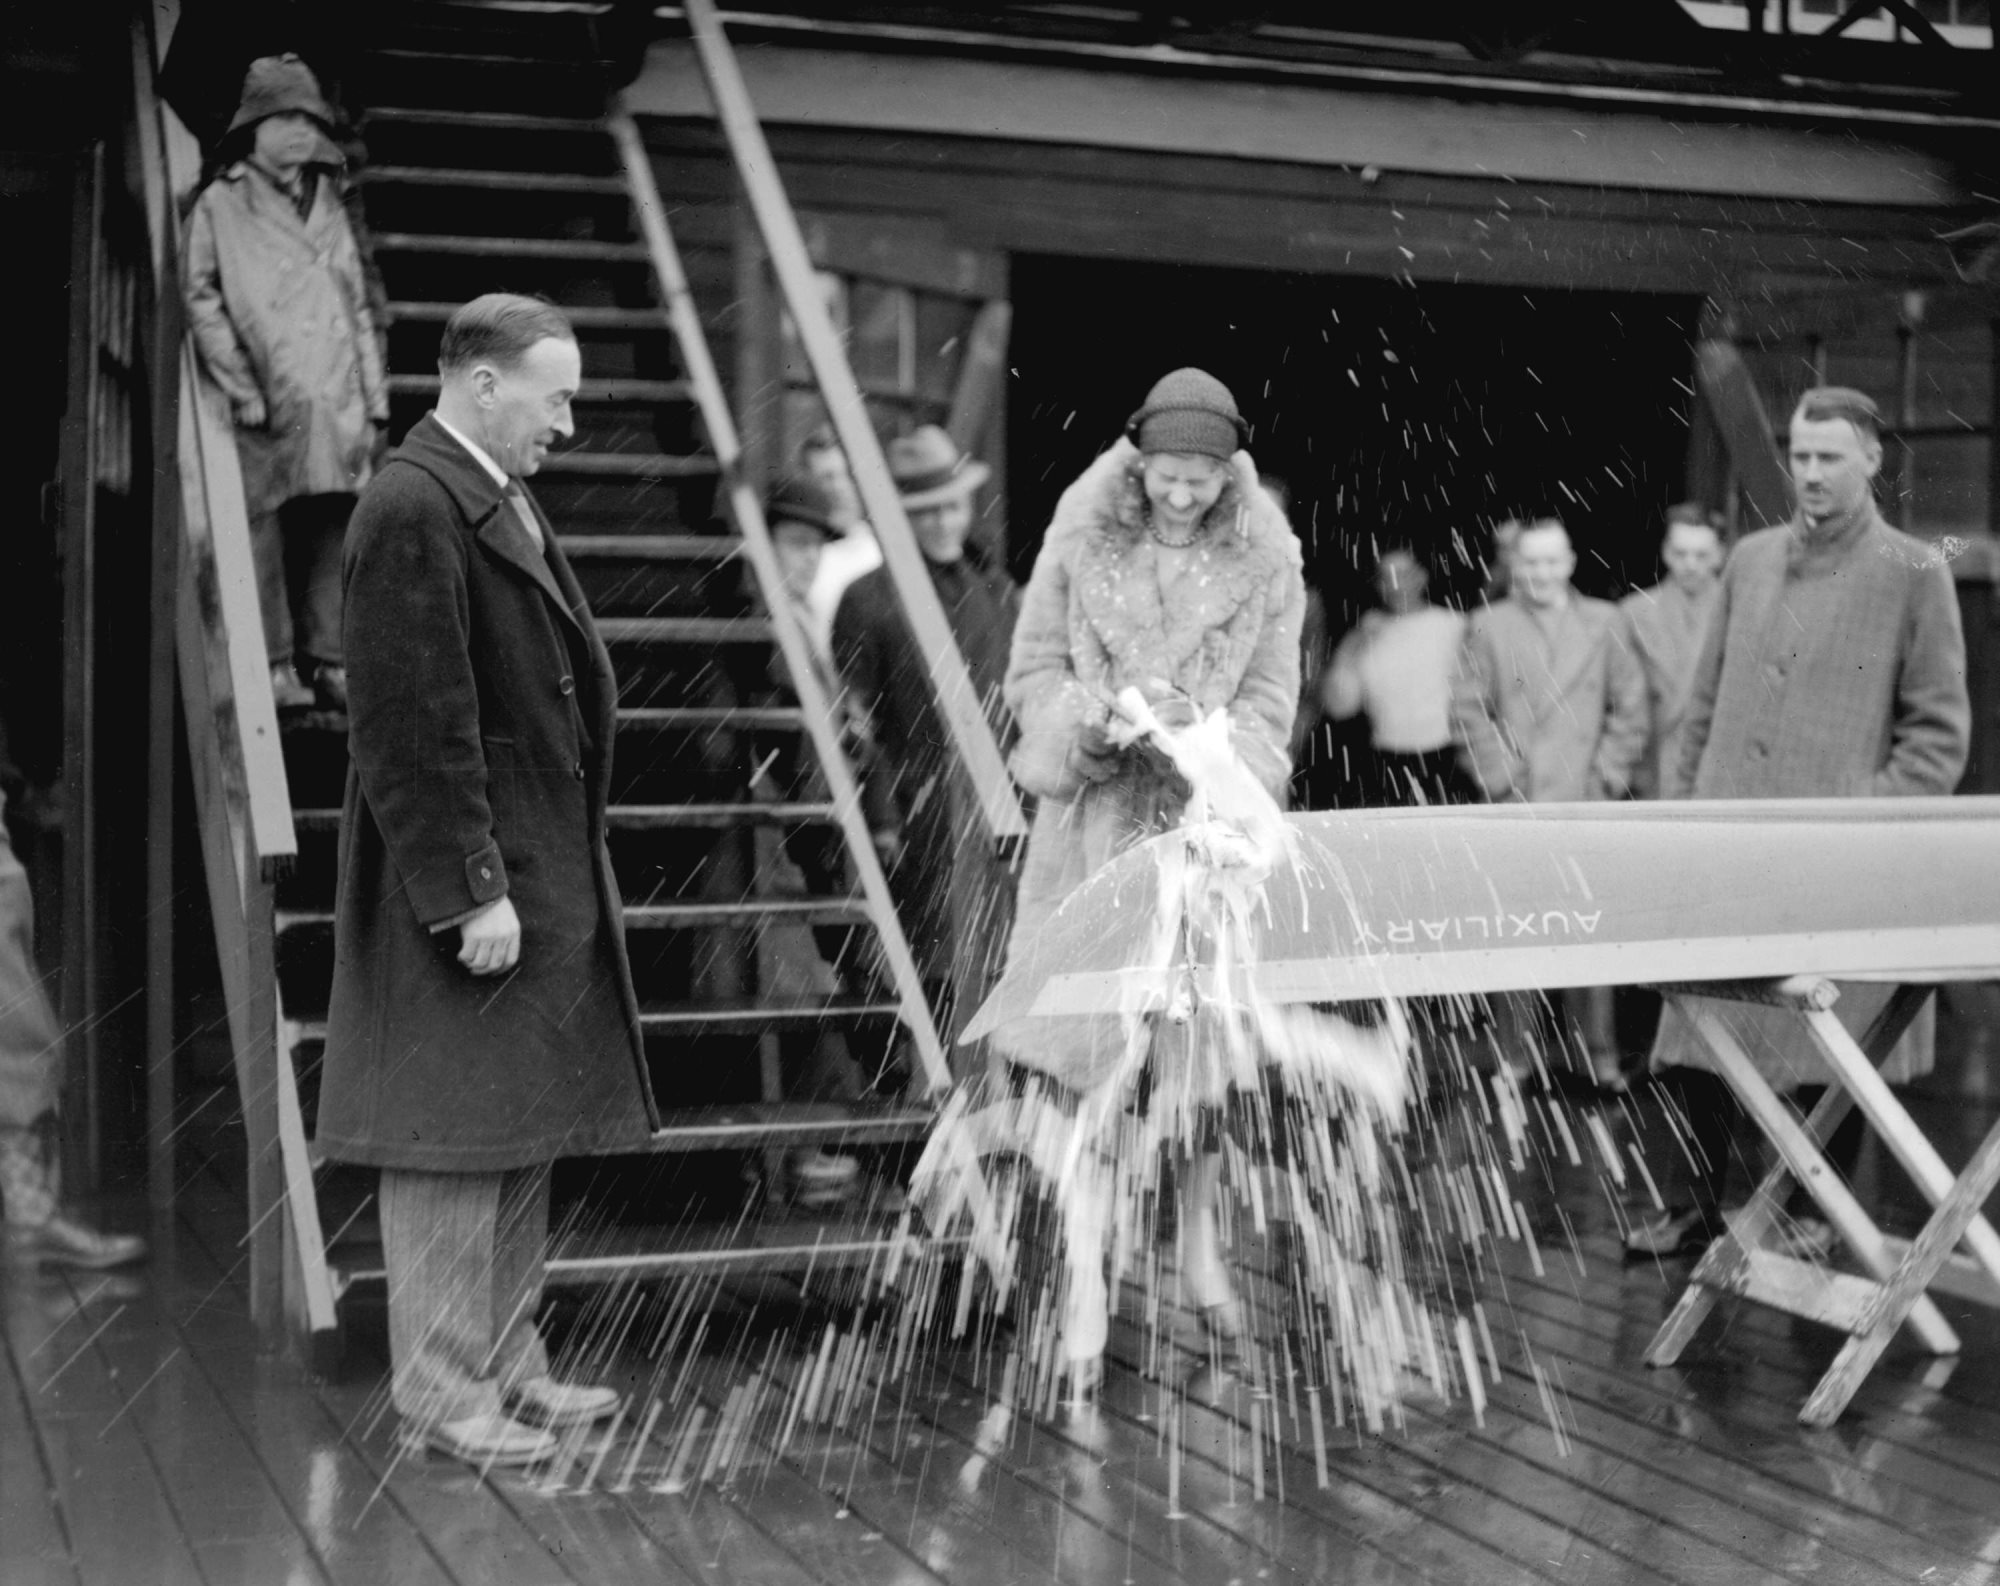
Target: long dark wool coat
<point x="481" y="706"/>
<point x="954" y="897"/>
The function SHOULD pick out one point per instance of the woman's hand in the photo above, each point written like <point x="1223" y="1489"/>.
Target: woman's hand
<point x="1095" y="738"/>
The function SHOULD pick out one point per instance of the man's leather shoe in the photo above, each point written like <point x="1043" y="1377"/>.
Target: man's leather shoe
<point x="330" y="687"/>
<point x="543" y="1401"/>
<point x="490" y="1439"/>
<point x="62" y="1241"/>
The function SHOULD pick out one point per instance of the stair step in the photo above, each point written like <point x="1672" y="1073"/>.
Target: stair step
<point x="706" y="1019"/>
<point x="718" y="816"/>
<point x="723" y="1018"/>
<point x="630" y="465"/>
<point x="714" y="718"/>
<point x="683" y="916"/>
<point x="506" y="181"/>
<point x="610" y="390"/>
<point x="649" y="817"/>
<point x="745" y="911"/>
<point x="651" y="547"/>
<point x="684" y="630"/>
<point x="785" y="1242"/>
<point x="489" y="120"/>
<point x="592" y="318"/>
<point x="742" y="1128"/>
<point x="446" y="59"/>
<point x="581" y="248"/>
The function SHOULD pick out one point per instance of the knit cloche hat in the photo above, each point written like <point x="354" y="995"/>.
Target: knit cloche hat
<point x="277" y="85"/>
<point x="1190" y="412"/>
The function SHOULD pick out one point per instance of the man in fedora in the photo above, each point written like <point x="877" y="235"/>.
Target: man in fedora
<point x="955" y="898"/>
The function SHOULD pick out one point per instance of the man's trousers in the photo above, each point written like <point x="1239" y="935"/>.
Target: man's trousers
<point x="464" y="1253"/>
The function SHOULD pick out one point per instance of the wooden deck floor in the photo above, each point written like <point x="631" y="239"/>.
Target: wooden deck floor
<point x="143" y="1439"/>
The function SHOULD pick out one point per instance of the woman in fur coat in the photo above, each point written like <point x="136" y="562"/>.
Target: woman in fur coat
<point x="1169" y="570"/>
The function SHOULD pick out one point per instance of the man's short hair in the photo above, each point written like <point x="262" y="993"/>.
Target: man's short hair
<point x="1823" y="404"/>
<point x="498" y="329"/>
<point x="1694" y="515"/>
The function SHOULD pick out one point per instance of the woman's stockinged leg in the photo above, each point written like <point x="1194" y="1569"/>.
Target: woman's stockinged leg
<point x="1204" y="1270"/>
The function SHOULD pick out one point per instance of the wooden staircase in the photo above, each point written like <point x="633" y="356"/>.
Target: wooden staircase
<point x="547" y="195"/>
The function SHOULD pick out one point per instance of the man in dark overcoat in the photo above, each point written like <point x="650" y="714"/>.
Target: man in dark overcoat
<point x="954" y="896"/>
<point x="483" y="1021"/>
<point x="1834" y="667"/>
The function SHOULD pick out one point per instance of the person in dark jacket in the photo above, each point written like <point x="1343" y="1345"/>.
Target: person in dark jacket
<point x="483" y="1021"/>
<point x="954" y="896"/>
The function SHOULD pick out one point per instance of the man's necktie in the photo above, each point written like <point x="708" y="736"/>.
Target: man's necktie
<point x="519" y="501"/>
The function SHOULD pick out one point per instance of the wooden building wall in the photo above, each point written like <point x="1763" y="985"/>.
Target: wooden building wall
<point x="1818" y="245"/>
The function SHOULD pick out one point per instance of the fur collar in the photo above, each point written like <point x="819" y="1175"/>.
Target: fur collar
<point x="1189" y="638"/>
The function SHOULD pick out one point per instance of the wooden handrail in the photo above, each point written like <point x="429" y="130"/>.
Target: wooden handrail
<point x="212" y="487"/>
<point x="959" y="705"/>
<point x="242" y="799"/>
<point x="748" y="512"/>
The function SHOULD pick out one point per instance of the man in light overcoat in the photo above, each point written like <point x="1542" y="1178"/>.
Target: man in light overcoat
<point x="1549" y="706"/>
<point x="1666" y="625"/>
<point x="1834" y="667"/>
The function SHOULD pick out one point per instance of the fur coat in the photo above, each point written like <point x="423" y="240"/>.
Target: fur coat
<point x="1093" y="622"/>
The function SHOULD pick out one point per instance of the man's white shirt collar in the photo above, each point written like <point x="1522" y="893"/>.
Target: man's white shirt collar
<point x="478" y="452"/>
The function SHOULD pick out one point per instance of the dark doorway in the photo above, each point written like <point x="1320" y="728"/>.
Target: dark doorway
<point x="1416" y="413"/>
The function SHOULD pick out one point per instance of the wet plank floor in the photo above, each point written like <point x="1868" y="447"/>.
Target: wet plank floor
<point x="144" y="1439"/>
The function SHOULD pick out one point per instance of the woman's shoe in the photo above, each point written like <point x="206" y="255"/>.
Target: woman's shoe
<point x="1224" y="1357"/>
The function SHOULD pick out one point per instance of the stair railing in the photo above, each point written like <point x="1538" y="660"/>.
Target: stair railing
<point x="242" y="799"/>
<point x="748" y="512"/>
<point x="959" y="705"/>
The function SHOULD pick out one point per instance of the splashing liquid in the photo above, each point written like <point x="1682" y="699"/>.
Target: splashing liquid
<point x="1240" y="1165"/>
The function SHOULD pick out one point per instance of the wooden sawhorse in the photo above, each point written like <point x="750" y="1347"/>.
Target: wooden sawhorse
<point x="1868" y="1309"/>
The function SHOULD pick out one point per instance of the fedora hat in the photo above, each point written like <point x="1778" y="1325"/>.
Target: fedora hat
<point x="928" y="467"/>
<point x="278" y="85"/>
<point x="799" y="498"/>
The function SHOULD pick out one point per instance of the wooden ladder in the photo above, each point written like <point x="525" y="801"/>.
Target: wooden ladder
<point x="463" y="198"/>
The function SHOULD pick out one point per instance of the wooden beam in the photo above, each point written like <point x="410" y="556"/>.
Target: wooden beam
<point x="1894" y="1127"/>
<point x="210" y="448"/>
<point x="249" y="975"/>
<point x="163" y="318"/>
<point x="746" y="507"/>
<point x="79" y="1003"/>
<point x="959" y="705"/>
<point x="1433" y="132"/>
<point x="1732" y="397"/>
<point x="1906" y="1288"/>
